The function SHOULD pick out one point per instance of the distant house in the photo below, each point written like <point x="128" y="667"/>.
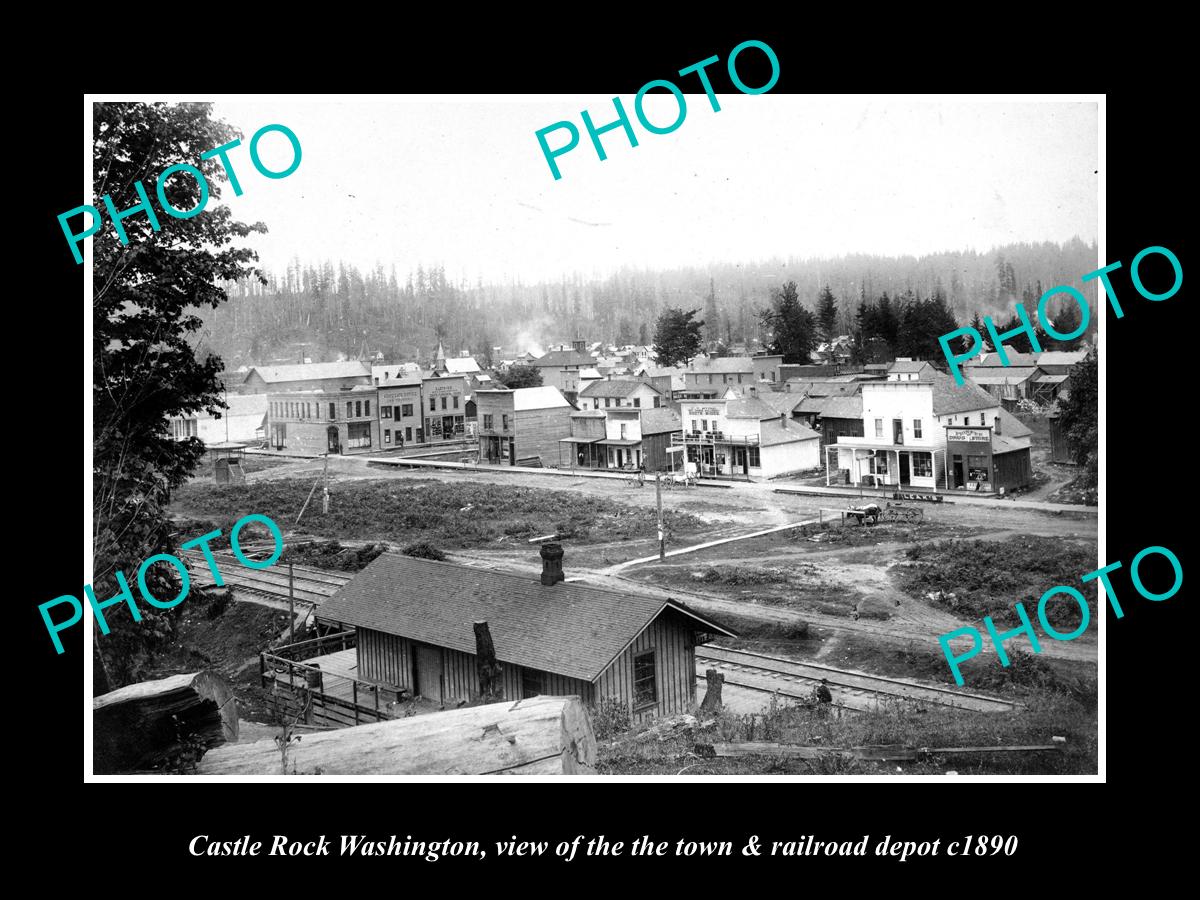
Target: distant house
<point x="561" y="368"/>
<point x="616" y="392"/>
<point x="708" y="377"/>
<point x="904" y="369"/>
<point x="1008" y="384"/>
<point x="309" y="377"/>
<point x="790" y="371"/>
<point x="382" y="376"/>
<point x="243" y="422"/>
<point x="1060" y="362"/>
<point x="669" y="380"/>
<point x="523" y="426"/>
<point x="414" y="631"/>
<point x="1048" y="388"/>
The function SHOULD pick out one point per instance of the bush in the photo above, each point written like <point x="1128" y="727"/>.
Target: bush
<point x="424" y="551"/>
<point x="218" y="602"/>
<point x="610" y="717"/>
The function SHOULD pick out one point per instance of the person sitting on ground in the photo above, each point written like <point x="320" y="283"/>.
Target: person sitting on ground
<point x="822" y="692"/>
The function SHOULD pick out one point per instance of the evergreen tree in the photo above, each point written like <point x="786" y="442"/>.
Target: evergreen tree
<point x="1066" y="322"/>
<point x="712" y="316"/>
<point x="677" y="336"/>
<point x="1079" y="413"/>
<point x="792" y="328"/>
<point x="827" y="315"/>
<point x="145" y="369"/>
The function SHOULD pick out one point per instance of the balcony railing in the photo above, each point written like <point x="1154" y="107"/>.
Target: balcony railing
<point x="712" y="437"/>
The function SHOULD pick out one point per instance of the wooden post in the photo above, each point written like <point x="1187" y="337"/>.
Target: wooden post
<point x="712" y="696"/>
<point x="491" y="688"/>
<point x="292" y="603"/>
<point x="325" y="486"/>
<point x="662" y="543"/>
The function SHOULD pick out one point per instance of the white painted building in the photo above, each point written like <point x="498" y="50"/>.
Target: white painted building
<point x="735" y="436"/>
<point x="930" y="433"/>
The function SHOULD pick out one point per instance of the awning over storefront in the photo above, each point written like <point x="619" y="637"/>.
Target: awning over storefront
<point x="579" y="440"/>
<point x="619" y="442"/>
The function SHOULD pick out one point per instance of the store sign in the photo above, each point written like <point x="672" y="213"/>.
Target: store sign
<point x="969" y="435"/>
<point x="704" y="411"/>
<point x="443" y="389"/>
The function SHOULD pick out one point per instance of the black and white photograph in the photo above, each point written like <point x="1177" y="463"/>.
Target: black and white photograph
<point x="526" y="435"/>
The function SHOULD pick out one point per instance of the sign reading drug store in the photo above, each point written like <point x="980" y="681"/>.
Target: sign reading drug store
<point x="969" y="435"/>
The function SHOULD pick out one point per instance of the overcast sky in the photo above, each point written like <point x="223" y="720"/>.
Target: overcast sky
<point x="465" y="184"/>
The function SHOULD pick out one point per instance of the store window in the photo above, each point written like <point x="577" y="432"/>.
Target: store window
<point x="977" y="468"/>
<point x="332" y="411"/>
<point x="385" y="412"/>
<point x="443" y="402"/>
<point x="879" y="428"/>
<point x="406" y="409"/>
<point x="433" y="404"/>
<point x="456" y="401"/>
<point x="879" y="464"/>
<point x="488" y="421"/>
<point x="922" y="465"/>
<point x="358" y="434"/>
<point x="755" y="458"/>
<point x="916" y="428"/>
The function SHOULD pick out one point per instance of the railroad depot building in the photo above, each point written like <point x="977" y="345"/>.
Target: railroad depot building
<point x="522" y="427"/>
<point x="308" y="377"/>
<point x="341" y="421"/>
<point x="932" y="434"/>
<point x="740" y="436"/>
<point x="414" y="622"/>
<point x="400" y="415"/>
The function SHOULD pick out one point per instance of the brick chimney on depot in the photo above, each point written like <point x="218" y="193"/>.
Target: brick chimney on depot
<point x="552" y="571"/>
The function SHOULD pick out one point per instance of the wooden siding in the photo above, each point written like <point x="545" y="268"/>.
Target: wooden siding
<point x="384" y="658"/>
<point x="538" y="431"/>
<point x="1013" y="469"/>
<point x="654" y="452"/>
<point x="670" y="636"/>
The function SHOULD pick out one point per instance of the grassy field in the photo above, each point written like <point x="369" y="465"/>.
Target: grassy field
<point x="988" y="577"/>
<point x="448" y="515"/>
<point x="1047" y="713"/>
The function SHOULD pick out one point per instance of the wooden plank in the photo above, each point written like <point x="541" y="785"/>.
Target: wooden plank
<point x="541" y="735"/>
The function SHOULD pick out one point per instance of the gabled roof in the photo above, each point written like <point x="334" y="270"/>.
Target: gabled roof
<point x="748" y="408"/>
<point x="1061" y="358"/>
<point x="848" y="407"/>
<point x="564" y="358"/>
<point x="950" y="398"/>
<point x="774" y="432"/>
<point x="569" y="629"/>
<point x="657" y="421"/>
<point x="718" y="365"/>
<point x="1006" y="375"/>
<point x="1011" y="426"/>
<point x="461" y="365"/>
<point x="545" y="397"/>
<point x="781" y="401"/>
<point x="909" y="365"/>
<point x="309" y="371"/>
<point x="1015" y="358"/>
<point x="617" y="387"/>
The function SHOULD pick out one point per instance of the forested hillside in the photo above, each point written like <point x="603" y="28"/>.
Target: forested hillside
<point x="326" y="310"/>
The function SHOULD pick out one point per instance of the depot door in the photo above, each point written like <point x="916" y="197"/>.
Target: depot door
<point x="429" y="672"/>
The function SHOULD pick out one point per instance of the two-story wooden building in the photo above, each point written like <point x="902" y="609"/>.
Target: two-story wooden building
<point x="708" y="377"/>
<point x="342" y="421"/>
<point x="931" y="433"/>
<point x="445" y="410"/>
<point x="522" y="426"/>
<point x="740" y="436"/>
<point x="607" y="393"/>
<point x="415" y="618"/>
<point x="401" y="418"/>
<point x="561" y="369"/>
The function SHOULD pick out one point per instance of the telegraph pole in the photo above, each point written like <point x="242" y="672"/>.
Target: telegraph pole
<point x="292" y="602"/>
<point x="662" y="544"/>
<point x="325" y="486"/>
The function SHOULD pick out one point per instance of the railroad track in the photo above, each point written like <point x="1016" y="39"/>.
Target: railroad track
<point x="852" y="690"/>
<point x="312" y="586"/>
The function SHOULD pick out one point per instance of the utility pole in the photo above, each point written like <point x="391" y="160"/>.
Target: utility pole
<point x="292" y="601"/>
<point x="325" y="486"/>
<point x="662" y="544"/>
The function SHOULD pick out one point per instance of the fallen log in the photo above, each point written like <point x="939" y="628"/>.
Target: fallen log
<point x="537" y="736"/>
<point x="140" y="726"/>
<point x="880" y="753"/>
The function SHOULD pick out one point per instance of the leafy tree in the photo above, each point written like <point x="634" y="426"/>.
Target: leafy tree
<point x="144" y="368"/>
<point x="677" y="336"/>
<point x="1079" y="413"/>
<point x="520" y="375"/>
<point x="827" y="314"/>
<point x="793" y="328"/>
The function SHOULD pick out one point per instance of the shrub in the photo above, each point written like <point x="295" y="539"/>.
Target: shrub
<point x="424" y="551"/>
<point x="610" y="717"/>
